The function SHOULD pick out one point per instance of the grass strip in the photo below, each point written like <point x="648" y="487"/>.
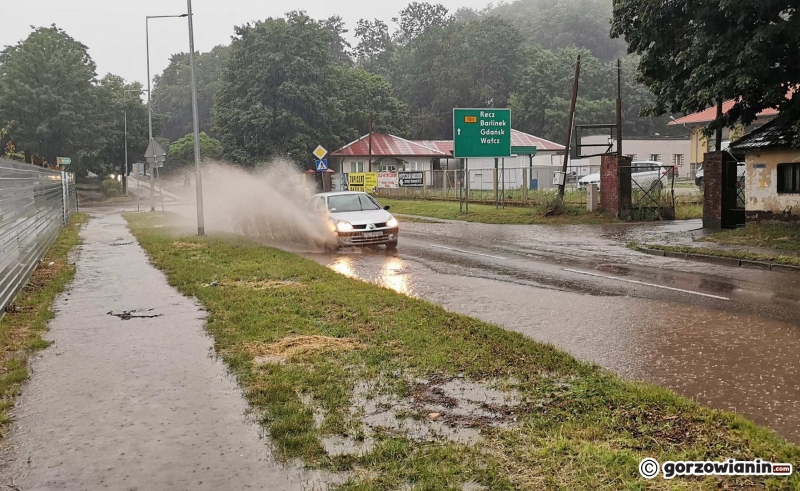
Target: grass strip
<point x="732" y="253"/>
<point x="511" y="215"/>
<point x="577" y="426"/>
<point x="782" y="236"/>
<point x="26" y="318"/>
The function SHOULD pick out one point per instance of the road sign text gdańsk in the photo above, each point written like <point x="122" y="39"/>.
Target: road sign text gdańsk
<point x="481" y="133"/>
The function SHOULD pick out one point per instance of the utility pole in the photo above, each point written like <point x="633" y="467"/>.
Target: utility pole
<point x="125" y="172"/>
<point x="370" y="141"/>
<point x="719" y="128"/>
<point x="571" y="121"/>
<point x="619" y="109"/>
<point x="201" y="229"/>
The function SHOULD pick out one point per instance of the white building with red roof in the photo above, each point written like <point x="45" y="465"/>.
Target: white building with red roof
<point x="390" y="153"/>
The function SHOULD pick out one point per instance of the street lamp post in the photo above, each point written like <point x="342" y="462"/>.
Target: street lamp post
<point x="126" y="173"/>
<point x="149" y="99"/>
<point x="196" y="127"/>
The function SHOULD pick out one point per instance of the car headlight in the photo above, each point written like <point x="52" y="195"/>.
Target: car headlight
<point x="392" y="223"/>
<point x="343" y="226"/>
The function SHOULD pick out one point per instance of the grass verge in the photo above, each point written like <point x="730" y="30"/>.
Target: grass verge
<point x="300" y="338"/>
<point x="511" y="215"/>
<point x="781" y="236"/>
<point x="736" y="254"/>
<point x="25" y="321"/>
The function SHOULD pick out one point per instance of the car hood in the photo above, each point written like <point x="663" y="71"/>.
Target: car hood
<point x="590" y="178"/>
<point x="362" y="217"/>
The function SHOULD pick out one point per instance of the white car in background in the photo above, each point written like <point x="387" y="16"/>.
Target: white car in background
<point x="698" y="178"/>
<point x="356" y="219"/>
<point x="646" y="174"/>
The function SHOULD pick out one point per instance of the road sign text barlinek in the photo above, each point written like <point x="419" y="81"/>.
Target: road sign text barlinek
<point x="481" y="133"/>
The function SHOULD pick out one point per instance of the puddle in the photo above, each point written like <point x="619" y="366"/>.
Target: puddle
<point x="134" y="314"/>
<point x="451" y="409"/>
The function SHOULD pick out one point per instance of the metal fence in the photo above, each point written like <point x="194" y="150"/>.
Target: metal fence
<point x="35" y="203"/>
<point x="518" y="185"/>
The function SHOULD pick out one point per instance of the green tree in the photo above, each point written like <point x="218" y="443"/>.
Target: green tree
<point x="339" y="47"/>
<point x="360" y="93"/>
<point x="692" y="58"/>
<point x="181" y="152"/>
<point x="46" y="86"/>
<point x="556" y="24"/>
<point x="375" y="49"/>
<point x="418" y="17"/>
<point x="276" y="93"/>
<point x="172" y="95"/>
<point x="458" y="65"/>
<point x="114" y="99"/>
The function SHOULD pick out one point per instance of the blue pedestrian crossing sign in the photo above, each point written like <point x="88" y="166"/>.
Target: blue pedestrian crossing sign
<point x="322" y="165"/>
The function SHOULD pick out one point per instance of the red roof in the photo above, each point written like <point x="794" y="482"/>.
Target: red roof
<point x="384" y="145"/>
<point x="520" y="139"/>
<point x="710" y="114"/>
<point x="445" y="146"/>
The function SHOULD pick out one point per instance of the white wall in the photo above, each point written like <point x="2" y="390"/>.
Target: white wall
<point x="641" y="149"/>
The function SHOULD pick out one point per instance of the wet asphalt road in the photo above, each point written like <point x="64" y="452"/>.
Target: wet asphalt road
<point x="727" y="337"/>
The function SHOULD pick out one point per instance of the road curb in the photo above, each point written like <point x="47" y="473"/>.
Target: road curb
<point x="724" y="261"/>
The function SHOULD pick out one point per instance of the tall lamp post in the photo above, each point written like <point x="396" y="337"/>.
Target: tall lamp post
<point x="149" y="100"/>
<point x="126" y="172"/>
<point x="201" y="230"/>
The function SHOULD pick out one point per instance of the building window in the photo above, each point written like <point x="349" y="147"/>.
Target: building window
<point x="677" y="159"/>
<point x="356" y="166"/>
<point x="789" y="178"/>
<point x="414" y="166"/>
<point x="655" y="157"/>
<point x="388" y="168"/>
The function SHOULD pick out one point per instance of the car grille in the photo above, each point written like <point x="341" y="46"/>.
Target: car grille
<point x="364" y="227"/>
<point x="357" y="238"/>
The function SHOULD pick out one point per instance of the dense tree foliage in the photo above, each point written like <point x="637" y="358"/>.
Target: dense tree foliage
<point x="172" y="96"/>
<point x="555" y="24"/>
<point x="283" y="93"/>
<point x="181" y="152"/>
<point x="692" y="58"/>
<point x="46" y="84"/>
<point x="48" y="87"/>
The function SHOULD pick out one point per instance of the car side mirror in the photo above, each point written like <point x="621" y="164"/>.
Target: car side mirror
<point x="386" y="208"/>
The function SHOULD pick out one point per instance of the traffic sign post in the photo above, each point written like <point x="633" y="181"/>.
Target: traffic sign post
<point x="321" y="164"/>
<point x="481" y="133"/>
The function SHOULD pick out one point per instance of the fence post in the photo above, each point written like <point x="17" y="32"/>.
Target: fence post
<point x="64" y="198"/>
<point x="444" y="184"/>
<point x="524" y="185"/>
<point x="494" y="184"/>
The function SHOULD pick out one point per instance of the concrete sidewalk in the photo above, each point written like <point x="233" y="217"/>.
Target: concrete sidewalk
<point x="138" y="403"/>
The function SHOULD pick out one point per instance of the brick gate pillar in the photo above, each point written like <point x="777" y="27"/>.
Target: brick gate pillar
<point x="712" y="190"/>
<point x="615" y="193"/>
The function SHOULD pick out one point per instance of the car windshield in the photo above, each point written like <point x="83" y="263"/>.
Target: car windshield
<point x="352" y="202"/>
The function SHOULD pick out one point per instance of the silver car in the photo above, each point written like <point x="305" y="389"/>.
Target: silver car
<point x="356" y="219"/>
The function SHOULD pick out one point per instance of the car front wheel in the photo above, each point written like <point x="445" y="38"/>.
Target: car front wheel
<point x="391" y="246"/>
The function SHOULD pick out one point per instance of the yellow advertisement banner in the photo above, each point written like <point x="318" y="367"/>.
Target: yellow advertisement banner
<point x="363" y="181"/>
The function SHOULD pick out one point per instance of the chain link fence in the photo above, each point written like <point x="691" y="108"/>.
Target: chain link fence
<point x="35" y="203"/>
<point x="521" y="186"/>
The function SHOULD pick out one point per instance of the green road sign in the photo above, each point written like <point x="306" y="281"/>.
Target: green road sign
<point x="63" y="161"/>
<point x="481" y="133"/>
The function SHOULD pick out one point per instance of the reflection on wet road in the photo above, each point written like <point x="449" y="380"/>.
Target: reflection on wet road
<point x="741" y="354"/>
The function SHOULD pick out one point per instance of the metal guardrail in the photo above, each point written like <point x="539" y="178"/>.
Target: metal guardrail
<point x="35" y="204"/>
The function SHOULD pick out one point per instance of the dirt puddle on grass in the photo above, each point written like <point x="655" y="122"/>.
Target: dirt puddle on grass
<point x="438" y="409"/>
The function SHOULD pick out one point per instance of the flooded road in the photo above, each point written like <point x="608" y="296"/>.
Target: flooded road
<point x="723" y="336"/>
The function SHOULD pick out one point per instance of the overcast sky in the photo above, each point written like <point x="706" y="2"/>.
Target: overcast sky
<point x="114" y="30"/>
